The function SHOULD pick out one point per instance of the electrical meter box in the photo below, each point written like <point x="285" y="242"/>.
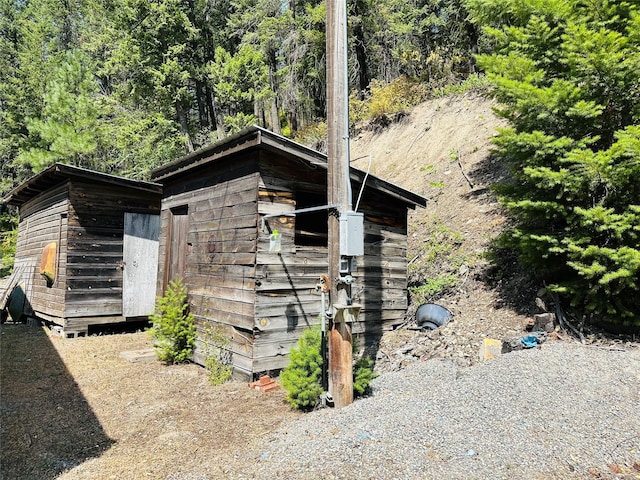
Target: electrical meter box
<point x="351" y="234"/>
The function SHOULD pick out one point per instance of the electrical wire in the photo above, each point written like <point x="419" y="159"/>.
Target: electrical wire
<point x="365" y="178"/>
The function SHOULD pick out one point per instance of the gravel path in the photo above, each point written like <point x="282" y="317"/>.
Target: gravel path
<point x="558" y="412"/>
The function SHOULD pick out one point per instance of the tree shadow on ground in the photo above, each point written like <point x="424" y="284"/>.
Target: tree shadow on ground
<point x="47" y="426"/>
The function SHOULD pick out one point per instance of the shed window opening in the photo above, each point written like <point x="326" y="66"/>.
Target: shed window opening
<point x="311" y="228"/>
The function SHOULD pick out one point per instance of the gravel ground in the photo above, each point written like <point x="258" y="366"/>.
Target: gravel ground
<point x="560" y="411"/>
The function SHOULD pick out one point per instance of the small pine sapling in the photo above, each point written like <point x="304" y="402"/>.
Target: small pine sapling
<point x="302" y="377"/>
<point x="174" y="330"/>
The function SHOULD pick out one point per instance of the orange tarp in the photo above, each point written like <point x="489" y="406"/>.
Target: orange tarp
<point x="48" y="262"/>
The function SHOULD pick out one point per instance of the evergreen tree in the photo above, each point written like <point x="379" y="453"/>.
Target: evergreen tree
<point x="67" y="130"/>
<point x="568" y="75"/>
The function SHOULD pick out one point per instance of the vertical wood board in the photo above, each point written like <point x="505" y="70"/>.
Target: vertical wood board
<point x="140" y="260"/>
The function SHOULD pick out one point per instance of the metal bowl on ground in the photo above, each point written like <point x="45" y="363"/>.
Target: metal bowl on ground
<point x="432" y="316"/>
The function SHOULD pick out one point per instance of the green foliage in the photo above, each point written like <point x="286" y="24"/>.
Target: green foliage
<point x="433" y="287"/>
<point x="437" y="267"/>
<point x="387" y="100"/>
<point x="67" y="130"/>
<point x="302" y="377"/>
<point x="8" y="238"/>
<point x="566" y="73"/>
<point x="174" y="330"/>
<point x="363" y="374"/>
<point x="314" y="135"/>
<point x="218" y="358"/>
<point x="473" y="83"/>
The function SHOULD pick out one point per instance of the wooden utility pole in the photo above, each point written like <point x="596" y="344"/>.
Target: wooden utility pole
<point x="339" y="193"/>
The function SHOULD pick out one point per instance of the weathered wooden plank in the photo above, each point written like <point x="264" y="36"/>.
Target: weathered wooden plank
<point x="218" y="273"/>
<point x="216" y="201"/>
<point x="94" y="282"/>
<point x="234" y="319"/>
<point x="240" y="258"/>
<point x="238" y="210"/>
<point x="107" y="259"/>
<point x="204" y="251"/>
<point x="211" y="294"/>
<point x="200" y="307"/>
<point x="105" y="306"/>
<point x="38" y="205"/>
<point x="225" y="224"/>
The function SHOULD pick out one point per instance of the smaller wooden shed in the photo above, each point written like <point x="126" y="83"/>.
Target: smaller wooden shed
<point x="220" y="206"/>
<point x="87" y="247"/>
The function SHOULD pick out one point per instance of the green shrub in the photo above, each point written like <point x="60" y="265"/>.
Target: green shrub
<point x="174" y="330"/>
<point x="362" y="375"/>
<point x="566" y="74"/>
<point x="440" y="258"/>
<point x="302" y="377"/>
<point x="8" y="238"/>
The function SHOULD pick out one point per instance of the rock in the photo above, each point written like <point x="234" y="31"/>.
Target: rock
<point x="490" y="349"/>
<point x="541" y="305"/>
<point x="511" y="344"/>
<point x="544" y="322"/>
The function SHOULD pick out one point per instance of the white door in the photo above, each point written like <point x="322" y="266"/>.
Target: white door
<point x="140" y="256"/>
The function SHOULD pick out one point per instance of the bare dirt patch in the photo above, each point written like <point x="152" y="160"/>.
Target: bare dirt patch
<point x="73" y="408"/>
<point x="442" y="151"/>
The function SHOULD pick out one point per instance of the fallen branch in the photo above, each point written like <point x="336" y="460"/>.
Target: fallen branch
<point x="417" y="137"/>
<point x="463" y="173"/>
<point x="414" y="259"/>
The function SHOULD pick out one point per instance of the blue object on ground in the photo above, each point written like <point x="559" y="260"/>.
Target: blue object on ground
<point x="533" y="340"/>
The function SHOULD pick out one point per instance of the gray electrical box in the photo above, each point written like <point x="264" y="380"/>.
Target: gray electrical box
<point x="351" y="234"/>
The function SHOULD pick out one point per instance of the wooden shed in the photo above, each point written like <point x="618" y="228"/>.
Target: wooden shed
<point x="87" y="247"/>
<point x="221" y="204"/>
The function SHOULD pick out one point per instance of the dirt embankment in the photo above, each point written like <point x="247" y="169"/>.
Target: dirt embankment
<point x="442" y="151"/>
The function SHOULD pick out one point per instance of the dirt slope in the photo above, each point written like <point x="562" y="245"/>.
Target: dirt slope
<point x="442" y="151"/>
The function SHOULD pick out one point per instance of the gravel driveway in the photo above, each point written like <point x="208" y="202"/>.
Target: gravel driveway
<point x="560" y="411"/>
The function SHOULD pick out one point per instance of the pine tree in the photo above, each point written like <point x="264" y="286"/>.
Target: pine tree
<point x="174" y="330"/>
<point x="567" y="73"/>
<point x="67" y="130"/>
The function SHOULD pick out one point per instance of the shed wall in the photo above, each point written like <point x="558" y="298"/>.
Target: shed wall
<point x="261" y="300"/>
<point x="44" y="220"/>
<point x="95" y="250"/>
<point x="286" y="302"/>
<point x="220" y="252"/>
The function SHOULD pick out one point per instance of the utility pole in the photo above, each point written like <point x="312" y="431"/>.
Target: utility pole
<point x="339" y="193"/>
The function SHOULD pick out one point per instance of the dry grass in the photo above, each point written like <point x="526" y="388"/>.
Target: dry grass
<point x="73" y="408"/>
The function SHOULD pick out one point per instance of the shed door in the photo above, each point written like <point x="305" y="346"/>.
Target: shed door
<point x="177" y="243"/>
<point x="140" y="255"/>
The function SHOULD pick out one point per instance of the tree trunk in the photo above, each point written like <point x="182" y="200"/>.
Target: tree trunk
<point x="184" y="127"/>
<point x="201" y="100"/>
<point x="361" y="54"/>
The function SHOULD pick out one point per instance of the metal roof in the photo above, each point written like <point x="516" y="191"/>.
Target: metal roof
<point x="60" y="172"/>
<point x="257" y="137"/>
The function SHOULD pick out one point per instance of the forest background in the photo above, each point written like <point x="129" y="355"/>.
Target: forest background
<point x="123" y="86"/>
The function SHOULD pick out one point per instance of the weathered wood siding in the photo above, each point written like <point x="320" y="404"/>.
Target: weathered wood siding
<point x="95" y="249"/>
<point x="220" y="252"/>
<point x="262" y="301"/>
<point x="382" y="271"/>
<point x="286" y="302"/>
<point x="44" y="220"/>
